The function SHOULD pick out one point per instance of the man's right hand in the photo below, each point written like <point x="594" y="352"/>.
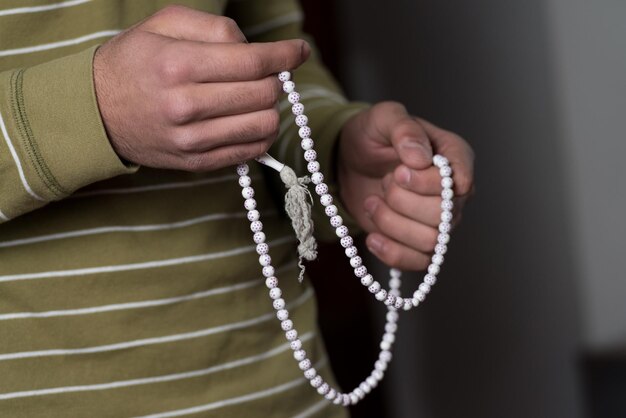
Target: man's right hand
<point x="183" y="90"/>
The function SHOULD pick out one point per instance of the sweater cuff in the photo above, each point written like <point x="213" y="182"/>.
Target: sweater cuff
<point x="58" y="129"/>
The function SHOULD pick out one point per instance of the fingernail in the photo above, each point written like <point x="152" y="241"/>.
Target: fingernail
<point x="404" y="175"/>
<point x="370" y="206"/>
<point x="374" y="244"/>
<point x="413" y="145"/>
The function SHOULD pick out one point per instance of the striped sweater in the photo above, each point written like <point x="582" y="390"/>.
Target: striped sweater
<point x="130" y="292"/>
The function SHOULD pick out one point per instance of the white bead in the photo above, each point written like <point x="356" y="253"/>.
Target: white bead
<point x="268" y="271"/>
<point x="321" y="189"/>
<point x="247" y="192"/>
<point x="445" y="171"/>
<point x="372" y="381"/>
<point x="444" y="227"/>
<point x="339" y="399"/>
<point x="365" y="387"/>
<point x="353" y="398"/>
<point x="390" y="300"/>
<point x="374" y="287"/>
<point x="316" y="381"/>
<point x="391" y="327"/>
<point x="430" y="279"/>
<point x="331" y="394"/>
<point x="345" y="399"/>
<point x="271" y="282"/>
<point x="305" y="364"/>
<point x="323" y="390"/>
<point x="275" y="293"/>
<point x="360" y="271"/>
<point x="331" y="210"/>
<point x="443" y="238"/>
<point x="359" y="393"/>
<point x="394" y="272"/>
<point x="291" y="335"/>
<point x="317" y="178"/>
<point x="304" y="132"/>
<point x="437" y="259"/>
<point x="294" y="97"/>
<point x="446" y="216"/>
<point x="301" y="120"/>
<point x="351" y="251"/>
<point x="286" y="325"/>
<point x="447" y="194"/>
<point x="378" y="375"/>
<point x="415" y="302"/>
<point x="336" y="221"/>
<point x="299" y="355"/>
<point x="279" y="304"/>
<point x="394" y="283"/>
<point x="447" y="204"/>
<point x="434" y="269"/>
<point x="307" y="144"/>
<point x="282" y="315"/>
<point x="356" y="261"/>
<point x="367" y="280"/>
<point x="262" y="248"/>
<point x="259" y="237"/>
<point x="419" y="295"/>
<point x="313" y="167"/>
<point x="408" y="304"/>
<point x="399" y="303"/>
<point x="289" y="86"/>
<point x="245" y="181"/>
<point x="346" y="242"/>
<point x="296" y="345"/>
<point x="446" y="182"/>
<point x="381" y="365"/>
<point x="249" y="204"/>
<point x="390" y="338"/>
<point x="425" y="288"/>
<point x="265" y="260"/>
<point x="253" y="215"/>
<point x="342" y="231"/>
<point x="441" y="249"/>
<point x="326" y="199"/>
<point x="284" y="76"/>
<point x="392" y="316"/>
<point x="256" y="226"/>
<point x="440" y="160"/>
<point x="243" y="169"/>
<point x="310" y="155"/>
<point x="297" y="109"/>
<point x="381" y="295"/>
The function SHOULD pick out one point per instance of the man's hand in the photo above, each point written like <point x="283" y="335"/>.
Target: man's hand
<point x="387" y="181"/>
<point x="183" y="90"/>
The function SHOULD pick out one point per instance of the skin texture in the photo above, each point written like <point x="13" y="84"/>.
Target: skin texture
<point x="184" y="90"/>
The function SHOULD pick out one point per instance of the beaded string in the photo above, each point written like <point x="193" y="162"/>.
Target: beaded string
<point x="391" y="298"/>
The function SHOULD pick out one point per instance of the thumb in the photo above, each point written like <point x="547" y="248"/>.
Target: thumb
<point x="405" y="134"/>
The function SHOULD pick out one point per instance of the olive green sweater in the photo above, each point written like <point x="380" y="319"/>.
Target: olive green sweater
<point x="137" y="292"/>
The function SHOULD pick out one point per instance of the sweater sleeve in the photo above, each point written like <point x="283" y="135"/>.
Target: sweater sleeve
<point x="324" y="102"/>
<point x="52" y="139"/>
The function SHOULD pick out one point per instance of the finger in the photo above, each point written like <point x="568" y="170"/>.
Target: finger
<point x="399" y="228"/>
<point x="395" y="254"/>
<point x="181" y="22"/>
<point x="212" y="100"/>
<point x="423" y="209"/>
<point x="458" y="152"/>
<point x="424" y="182"/>
<point x="224" y="156"/>
<point x="240" y="62"/>
<point x="226" y="131"/>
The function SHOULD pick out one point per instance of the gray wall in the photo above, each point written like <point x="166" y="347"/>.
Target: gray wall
<point x="534" y="274"/>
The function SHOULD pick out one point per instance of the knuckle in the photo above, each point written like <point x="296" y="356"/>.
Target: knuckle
<point x="227" y="30"/>
<point x="269" y="92"/>
<point x="430" y="239"/>
<point x="394" y="197"/>
<point x="172" y="70"/>
<point x="463" y="184"/>
<point x="268" y="124"/>
<point x="178" y="108"/>
<point x="183" y="142"/>
<point x="171" y="10"/>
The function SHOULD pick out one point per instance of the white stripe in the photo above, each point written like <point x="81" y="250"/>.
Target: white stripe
<point x="237" y="400"/>
<point x="17" y="160"/>
<point x="273" y="23"/>
<point x="34" y="9"/>
<point x="3" y="217"/>
<point x="164" y="186"/>
<point x="138" y="266"/>
<point x="119" y="228"/>
<point x="59" y="44"/>
<point x="313" y="409"/>
<point x="157" y="379"/>
<point x="142" y="304"/>
<point x="306" y="295"/>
